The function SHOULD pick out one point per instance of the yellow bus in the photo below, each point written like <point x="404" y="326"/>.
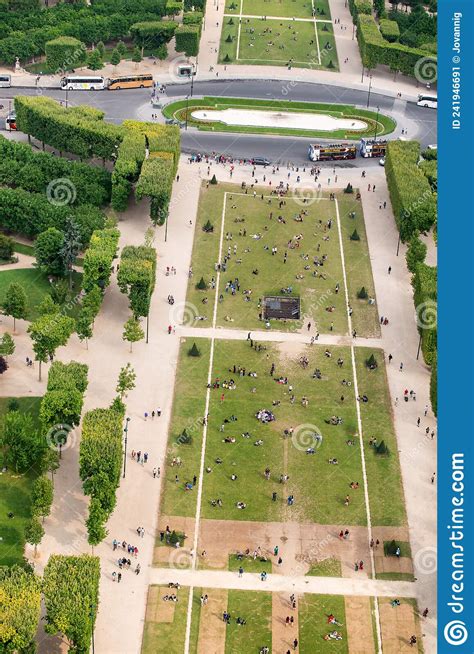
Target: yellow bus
<point x="130" y="82"/>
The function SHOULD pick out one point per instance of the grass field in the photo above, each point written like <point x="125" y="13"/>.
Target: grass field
<point x="313" y="626"/>
<point x="387" y="501"/>
<point x="322" y="502"/>
<point x="159" y="628"/>
<point x="15" y="494"/>
<point x="256" y="609"/>
<point x="248" y="254"/>
<point x="36" y="286"/>
<point x="179" y="109"/>
<point x="300" y="44"/>
<point x="249" y="564"/>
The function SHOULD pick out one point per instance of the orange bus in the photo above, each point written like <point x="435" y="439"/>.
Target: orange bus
<point x="130" y="82"/>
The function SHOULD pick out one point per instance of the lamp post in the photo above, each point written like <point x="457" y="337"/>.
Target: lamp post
<point x="187" y="105"/>
<point x="192" y="80"/>
<point x="376" y="124"/>
<point x="368" y="95"/>
<point x="67" y="95"/>
<point x="127" y="420"/>
<point x="92" y="617"/>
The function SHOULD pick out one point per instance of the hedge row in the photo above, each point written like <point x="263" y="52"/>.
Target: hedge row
<point x="65" y="53"/>
<point x="21" y="167"/>
<point x="187" y="39"/>
<point x="71" y="598"/>
<point x="413" y="202"/>
<point x="156" y="182"/>
<point x="100" y="462"/>
<point x="389" y="30"/>
<point x="80" y="130"/>
<point x="64" y="397"/>
<point x="374" y="49"/>
<point x="136" y="277"/>
<point x="357" y="7"/>
<point x="99" y="257"/>
<point x="30" y="214"/>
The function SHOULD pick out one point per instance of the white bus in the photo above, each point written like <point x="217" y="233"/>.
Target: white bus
<point x="5" y="81"/>
<point x="430" y="101"/>
<point x="83" y="83"/>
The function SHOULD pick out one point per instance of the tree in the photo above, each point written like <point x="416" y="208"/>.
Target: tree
<point x="115" y="57"/>
<point x="362" y="294"/>
<point x="7" y="345"/>
<point x="213" y="180"/>
<point x="20" y="603"/>
<point x="371" y="362"/>
<point x="101" y="48"/>
<point x="126" y="380"/>
<point x="48" y="251"/>
<point x="34" y="532"/>
<point x="95" y="523"/>
<point x="48" y="333"/>
<point x="84" y="325"/>
<point x="355" y="236"/>
<point x="208" y="227"/>
<point x="201" y="285"/>
<point x="194" y="351"/>
<point x="15" y="303"/>
<point x="229" y="38"/>
<point x="61" y="407"/>
<point x="49" y="462"/>
<point x="71" y="247"/>
<point x="121" y="48"/>
<point x="6" y="248"/>
<point x="47" y="306"/>
<point x="132" y="331"/>
<point x="42" y="496"/>
<point x="94" y="60"/>
<point x="136" y="56"/>
<point x="23" y="445"/>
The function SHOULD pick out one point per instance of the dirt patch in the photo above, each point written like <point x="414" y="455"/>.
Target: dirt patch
<point x="384" y="563"/>
<point x="359" y="625"/>
<point x="283" y="634"/>
<point x="291" y="350"/>
<point x="156" y="609"/>
<point x="212" y="629"/>
<point x="397" y="625"/>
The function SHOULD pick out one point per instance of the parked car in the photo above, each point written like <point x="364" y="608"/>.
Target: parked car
<point x="260" y="161"/>
<point x="382" y="161"/>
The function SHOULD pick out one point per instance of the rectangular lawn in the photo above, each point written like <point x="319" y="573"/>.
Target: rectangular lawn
<point x="252" y="227"/>
<point x="312" y="617"/>
<point x="256" y="608"/>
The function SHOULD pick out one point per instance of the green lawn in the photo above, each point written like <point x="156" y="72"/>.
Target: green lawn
<point x="281" y="43"/>
<point x="249" y="564"/>
<point x="405" y="549"/>
<point x="156" y="633"/>
<point x="248" y="254"/>
<point x="36" y="285"/>
<point x="321" y="502"/>
<point x="365" y="317"/>
<point x="180" y="108"/>
<point x="187" y="413"/>
<point x="15" y="494"/>
<point x="256" y="608"/>
<point x="313" y="625"/>
<point x="284" y="8"/>
<point x="329" y="567"/>
<point x="387" y="501"/>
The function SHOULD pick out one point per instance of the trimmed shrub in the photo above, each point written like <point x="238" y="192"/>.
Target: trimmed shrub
<point x="187" y="39"/>
<point x="349" y="188"/>
<point x="65" y="53"/>
<point x="201" y="285"/>
<point x="213" y="180"/>
<point x="389" y="30"/>
<point x="184" y="438"/>
<point x="6" y="247"/>
<point x="354" y="236"/>
<point x="208" y="227"/>
<point x="362" y="294"/>
<point x="371" y="362"/>
<point x="416" y="253"/>
<point x="382" y="449"/>
<point x="194" y="351"/>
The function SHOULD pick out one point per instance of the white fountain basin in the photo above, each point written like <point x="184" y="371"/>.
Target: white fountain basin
<point x="291" y="120"/>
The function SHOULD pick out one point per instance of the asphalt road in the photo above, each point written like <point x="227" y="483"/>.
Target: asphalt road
<point x="124" y="104"/>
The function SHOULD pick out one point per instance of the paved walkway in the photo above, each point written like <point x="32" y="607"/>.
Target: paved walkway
<point x="281" y="583"/>
<point x="276" y="336"/>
